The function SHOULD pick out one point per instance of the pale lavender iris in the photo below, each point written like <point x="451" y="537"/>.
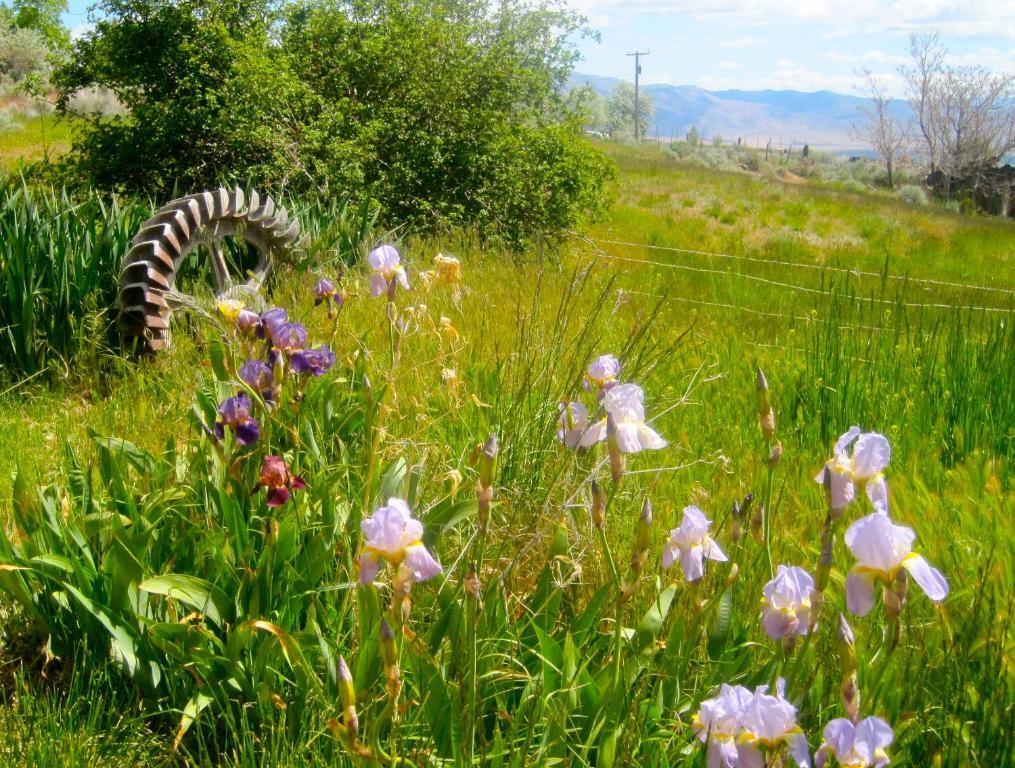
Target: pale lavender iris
<point x="691" y="544"/>
<point x="882" y="550"/>
<point x="385" y="268"/>
<point x="856" y="746"/>
<point x="574" y="429"/>
<point x="871" y="454"/>
<point x="393" y="535"/>
<point x="786" y="605"/>
<point x="234" y="412"/>
<point x="312" y="361"/>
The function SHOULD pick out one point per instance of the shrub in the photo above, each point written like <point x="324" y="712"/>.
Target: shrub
<point x="416" y="106"/>
<point x="912" y="194"/>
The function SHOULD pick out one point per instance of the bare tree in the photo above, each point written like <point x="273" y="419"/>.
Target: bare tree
<point x="966" y="114"/>
<point x="928" y="56"/>
<point x="880" y="125"/>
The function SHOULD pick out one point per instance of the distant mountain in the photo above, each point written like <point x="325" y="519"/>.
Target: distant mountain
<point x="822" y="119"/>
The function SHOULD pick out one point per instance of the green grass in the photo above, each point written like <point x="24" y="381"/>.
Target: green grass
<point x="35" y="138"/>
<point x="938" y="383"/>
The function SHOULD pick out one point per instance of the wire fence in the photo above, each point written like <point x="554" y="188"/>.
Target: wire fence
<point x="596" y="243"/>
<point x="800" y="265"/>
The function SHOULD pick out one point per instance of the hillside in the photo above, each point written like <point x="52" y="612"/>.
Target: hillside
<point x="822" y="119"/>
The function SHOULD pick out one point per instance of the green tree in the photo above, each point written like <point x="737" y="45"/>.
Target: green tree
<point x="620" y="111"/>
<point x="432" y="107"/>
<point x="42" y="16"/>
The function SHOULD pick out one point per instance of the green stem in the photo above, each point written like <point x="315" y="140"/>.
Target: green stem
<point x="768" y="509"/>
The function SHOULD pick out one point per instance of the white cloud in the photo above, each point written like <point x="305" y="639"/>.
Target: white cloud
<point x="729" y="65"/>
<point x="80" y="30"/>
<point x="958" y="18"/>
<point x="866" y="58"/>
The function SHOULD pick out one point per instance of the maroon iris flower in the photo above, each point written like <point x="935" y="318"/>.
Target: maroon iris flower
<point x="234" y="412"/>
<point x="314" y="361"/>
<point x="278" y="480"/>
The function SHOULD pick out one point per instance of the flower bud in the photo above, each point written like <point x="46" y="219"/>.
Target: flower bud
<point x="347" y="695"/>
<point x="598" y="506"/>
<point x="735" y="516"/>
<point x="643" y="530"/>
<point x="613" y="447"/>
<point x="731" y="577"/>
<point x="389" y="655"/>
<point x="487" y="457"/>
<point x="766" y="416"/>
<point x="775" y="455"/>
<point x="472" y="585"/>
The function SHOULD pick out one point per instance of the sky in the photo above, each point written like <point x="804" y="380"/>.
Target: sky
<point x="781" y="44"/>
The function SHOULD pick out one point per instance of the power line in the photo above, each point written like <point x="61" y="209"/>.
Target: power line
<point x="776" y="262"/>
<point x="637" y="71"/>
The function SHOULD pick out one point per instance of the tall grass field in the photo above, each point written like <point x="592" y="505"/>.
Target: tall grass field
<point x="467" y="538"/>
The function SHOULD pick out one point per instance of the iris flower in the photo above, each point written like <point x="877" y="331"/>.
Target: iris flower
<point x="859" y="746"/>
<point x="786" y="606"/>
<point x="625" y="402"/>
<point x="257" y="374"/>
<point x="248" y="323"/>
<point x="448" y="269"/>
<point x="325" y="291"/>
<point x="393" y="535"/>
<point x="313" y="361"/>
<point x="691" y="544"/>
<point x="573" y="427"/>
<point x="717" y="724"/>
<point x="864" y="467"/>
<point x="385" y="268"/>
<point x="271" y="321"/>
<point x="229" y="309"/>
<point x="234" y="412"/>
<point x="769" y="724"/>
<point x="279" y="481"/>
<point x="602" y="373"/>
<point x="289" y="337"/>
<point x="882" y="549"/>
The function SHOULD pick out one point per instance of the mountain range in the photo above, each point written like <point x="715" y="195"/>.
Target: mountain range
<point x="822" y="119"/>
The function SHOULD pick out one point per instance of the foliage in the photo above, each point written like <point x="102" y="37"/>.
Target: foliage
<point x="415" y="105"/>
<point x="937" y="382"/>
<point x="60" y="258"/>
<point x="620" y="111"/>
<point x="23" y="52"/>
<point x="913" y="194"/>
<point x="41" y="16"/>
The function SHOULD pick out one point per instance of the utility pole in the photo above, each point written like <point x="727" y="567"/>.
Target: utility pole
<point x="637" y="71"/>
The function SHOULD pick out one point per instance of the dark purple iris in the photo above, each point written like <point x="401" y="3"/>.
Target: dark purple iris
<point x="234" y="412"/>
<point x="271" y="321"/>
<point x="324" y="291"/>
<point x="258" y="375"/>
<point x="289" y="337"/>
<point x="316" y="361"/>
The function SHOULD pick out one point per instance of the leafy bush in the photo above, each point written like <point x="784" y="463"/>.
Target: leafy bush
<point x="422" y="106"/>
<point x="912" y="194"/>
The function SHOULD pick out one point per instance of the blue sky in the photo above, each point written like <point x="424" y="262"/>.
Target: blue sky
<point x="780" y="44"/>
<point x="755" y="44"/>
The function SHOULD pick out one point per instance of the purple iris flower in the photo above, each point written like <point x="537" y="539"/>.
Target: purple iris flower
<point x="258" y="375"/>
<point x="271" y="321"/>
<point x="248" y="323"/>
<point x="316" y="361"/>
<point x="289" y="337"/>
<point x="324" y="291"/>
<point x="234" y="412"/>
